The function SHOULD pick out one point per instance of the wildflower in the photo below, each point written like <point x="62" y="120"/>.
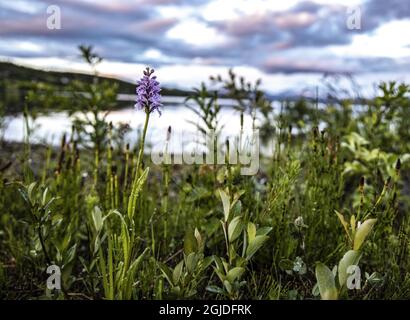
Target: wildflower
<point x="300" y="223"/>
<point x="148" y="93"/>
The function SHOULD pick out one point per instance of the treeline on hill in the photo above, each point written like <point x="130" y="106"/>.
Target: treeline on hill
<point x="17" y="82"/>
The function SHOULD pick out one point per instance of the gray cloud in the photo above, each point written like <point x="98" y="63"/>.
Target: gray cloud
<point x="123" y="30"/>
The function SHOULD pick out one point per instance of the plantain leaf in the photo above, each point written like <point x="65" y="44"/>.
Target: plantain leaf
<point x="263" y="231"/>
<point x="235" y="274"/>
<point x="166" y="271"/>
<point x="350" y="258"/>
<point x="198" y="238"/>
<point x="255" y="245"/>
<point x="235" y="228"/>
<point x="30" y="191"/>
<point x="176" y="275"/>
<point x="326" y="282"/>
<point x="97" y="219"/>
<point x="214" y="289"/>
<point x="190" y="262"/>
<point x="362" y="232"/>
<point x="228" y="286"/>
<point x="251" y="231"/>
<point x="190" y="242"/>
<point x="225" y="203"/>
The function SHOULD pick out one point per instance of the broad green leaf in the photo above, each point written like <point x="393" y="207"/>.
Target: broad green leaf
<point x="235" y="274"/>
<point x="236" y="197"/>
<point x="236" y="208"/>
<point x="190" y="242"/>
<point x="326" y="282"/>
<point x="176" y="290"/>
<point x="263" y="231"/>
<point x="334" y="271"/>
<point x="176" y="275"/>
<point x="44" y="199"/>
<point x="315" y="290"/>
<point x="353" y="223"/>
<point x="191" y="262"/>
<point x="198" y="238"/>
<point x="219" y="264"/>
<point x="97" y="219"/>
<point x="235" y="228"/>
<point x="228" y="286"/>
<point x="205" y="263"/>
<point x="350" y="258"/>
<point x="225" y="203"/>
<point x="251" y="231"/>
<point x="30" y="191"/>
<point x="255" y="245"/>
<point x="214" y="289"/>
<point x="70" y="254"/>
<point x="166" y="271"/>
<point x="362" y="232"/>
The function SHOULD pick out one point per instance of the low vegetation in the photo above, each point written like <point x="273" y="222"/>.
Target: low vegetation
<point x="326" y="216"/>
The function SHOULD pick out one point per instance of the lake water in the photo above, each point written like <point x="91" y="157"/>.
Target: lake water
<point x="49" y="128"/>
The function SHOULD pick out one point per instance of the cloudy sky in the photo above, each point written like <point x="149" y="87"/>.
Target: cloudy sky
<point x="288" y="44"/>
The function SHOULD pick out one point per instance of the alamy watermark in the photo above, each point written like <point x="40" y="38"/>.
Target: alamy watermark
<point x="53" y="17"/>
<point x="354" y="18"/>
<point x="54" y="280"/>
<point x="210" y="148"/>
<point x="354" y="278"/>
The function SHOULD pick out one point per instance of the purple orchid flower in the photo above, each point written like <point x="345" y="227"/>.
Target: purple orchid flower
<point x="148" y="93"/>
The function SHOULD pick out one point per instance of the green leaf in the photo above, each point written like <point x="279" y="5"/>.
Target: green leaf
<point x="198" y="238"/>
<point x="190" y="242"/>
<point x="235" y="228"/>
<point x="236" y="197"/>
<point x="137" y="186"/>
<point x="362" y="232"/>
<point x="97" y="219"/>
<point x="70" y="254"/>
<point x="315" y="290"/>
<point x="176" y="275"/>
<point x="225" y="203"/>
<point x="44" y="199"/>
<point x="191" y="262"/>
<point x="255" y="245"/>
<point x="206" y="262"/>
<point x="219" y="264"/>
<point x="326" y="282"/>
<point x="228" y="286"/>
<point x="166" y="271"/>
<point x="263" y="231"/>
<point x="251" y="231"/>
<point x="350" y="258"/>
<point x="214" y="289"/>
<point x="235" y="274"/>
<point x="343" y="221"/>
<point x="236" y="208"/>
<point x="30" y="191"/>
<point x="136" y="263"/>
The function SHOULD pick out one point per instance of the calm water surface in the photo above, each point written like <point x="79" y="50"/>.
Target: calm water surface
<point x="49" y="128"/>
